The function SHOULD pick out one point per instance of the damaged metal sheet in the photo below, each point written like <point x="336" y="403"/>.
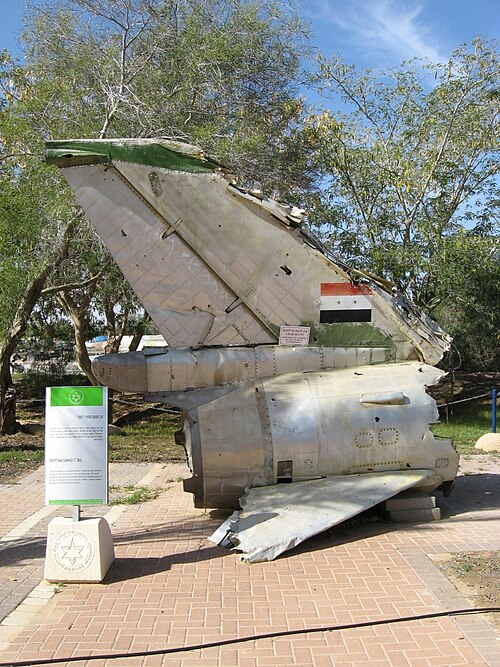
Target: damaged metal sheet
<point x="185" y="299"/>
<point x="181" y="368"/>
<point x="174" y="223"/>
<point x="289" y="365"/>
<point x="277" y="518"/>
<point x="318" y="424"/>
<point x="289" y="215"/>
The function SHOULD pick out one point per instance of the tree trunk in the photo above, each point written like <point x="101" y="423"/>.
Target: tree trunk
<point x="77" y="314"/>
<point x="8" y="424"/>
<point x="112" y="344"/>
<point x="82" y="355"/>
<point x="139" y="331"/>
<point x="114" y="337"/>
<point x="18" y="329"/>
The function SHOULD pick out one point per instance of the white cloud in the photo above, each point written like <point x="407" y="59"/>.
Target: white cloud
<point x="393" y="26"/>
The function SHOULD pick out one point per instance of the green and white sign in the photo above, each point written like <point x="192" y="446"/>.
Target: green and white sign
<point x="76" y="446"/>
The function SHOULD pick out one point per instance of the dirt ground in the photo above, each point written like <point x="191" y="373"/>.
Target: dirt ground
<point x="476" y="574"/>
<point x="460" y="386"/>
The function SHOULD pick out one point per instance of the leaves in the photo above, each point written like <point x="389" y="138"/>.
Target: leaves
<point x="413" y="160"/>
<point x="222" y="73"/>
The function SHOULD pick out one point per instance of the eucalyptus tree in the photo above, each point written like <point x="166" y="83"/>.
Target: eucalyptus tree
<point x="222" y="73"/>
<point x="468" y="296"/>
<point x="410" y="179"/>
<point x="93" y="294"/>
<point x="35" y="227"/>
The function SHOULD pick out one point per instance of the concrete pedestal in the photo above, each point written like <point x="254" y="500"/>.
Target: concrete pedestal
<point x="80" y="551"/>
<point x="412" y="506"/>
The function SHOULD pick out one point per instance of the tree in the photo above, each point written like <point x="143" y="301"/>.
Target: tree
<point x="89" y="289"/>
<point x="415" y="160"/>
<point x="34" y="230"/>
<point x="26" y="262"/>
<point x="468" y="300"/>
<point x="223" y="73"/>
<point x="410" y="176"/>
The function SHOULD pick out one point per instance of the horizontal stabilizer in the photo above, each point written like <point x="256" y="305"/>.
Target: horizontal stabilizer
<point x="277" y="518"/>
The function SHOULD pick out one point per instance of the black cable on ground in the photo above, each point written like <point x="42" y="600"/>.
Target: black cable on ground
<point x="240" y="640"/>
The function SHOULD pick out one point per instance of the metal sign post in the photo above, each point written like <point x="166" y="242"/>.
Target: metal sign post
<point x="493" y="410"/>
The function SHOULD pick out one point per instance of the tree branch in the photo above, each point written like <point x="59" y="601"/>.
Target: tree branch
<point x="70" y="286"/>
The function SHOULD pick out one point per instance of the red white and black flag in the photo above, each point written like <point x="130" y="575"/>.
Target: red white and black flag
<point x="344" y="302"/>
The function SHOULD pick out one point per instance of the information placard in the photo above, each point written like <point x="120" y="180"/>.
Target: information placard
<point x="76" y="446"/>
<point x="294" y="335"/>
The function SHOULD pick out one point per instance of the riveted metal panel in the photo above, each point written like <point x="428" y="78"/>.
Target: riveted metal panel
<point x="184" y="369"/>
<point x="232" y="446"/>
<point x="315" y="420"/>
<point x="274" y="271"/>
<point x="185" y="299"/>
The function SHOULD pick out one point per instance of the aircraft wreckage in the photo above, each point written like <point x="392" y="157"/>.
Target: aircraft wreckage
<point x="301" y="381"/>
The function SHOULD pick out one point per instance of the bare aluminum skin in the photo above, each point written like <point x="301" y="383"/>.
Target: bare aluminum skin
<point x="221" y="272"/>
<point x="275" y="519"/>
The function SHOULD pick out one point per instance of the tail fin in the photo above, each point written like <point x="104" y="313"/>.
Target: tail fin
<point x="215" y="265"/>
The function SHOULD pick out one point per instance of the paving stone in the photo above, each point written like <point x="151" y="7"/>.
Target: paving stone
<point x="170" y="587"/>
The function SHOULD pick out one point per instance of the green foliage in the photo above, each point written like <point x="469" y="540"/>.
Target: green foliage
<point x="408" y="169"/>
<point x="43" y="374"/>
<point x="222" y="73"/>
<point x="33" y="216"/>
<point x="24" y="234"/>
<point x="46" y="326"/>
<point x="466" y="424"/>
<point x="467" y="294"/>
<point x="412" y="160"/>
<point x="411" y="164"/>
<point x="133" y="495"/>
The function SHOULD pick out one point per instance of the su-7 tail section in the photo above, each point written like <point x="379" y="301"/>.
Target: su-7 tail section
<point x="290" y="369"/>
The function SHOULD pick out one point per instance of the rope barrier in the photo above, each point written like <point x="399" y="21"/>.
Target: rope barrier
<point x="150" y="407"/>
<point x="176" y="412"/>
<point x="121" y="400"/>
<point x="464" y="400"/>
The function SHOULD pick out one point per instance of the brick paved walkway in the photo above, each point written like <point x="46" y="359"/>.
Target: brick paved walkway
<point x="170" y="587"/>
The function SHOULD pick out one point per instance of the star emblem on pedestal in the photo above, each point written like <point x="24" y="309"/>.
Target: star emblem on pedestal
<point x="72" y="552"/>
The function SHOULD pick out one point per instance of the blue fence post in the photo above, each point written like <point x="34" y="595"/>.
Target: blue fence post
<point x="493" y="410"/>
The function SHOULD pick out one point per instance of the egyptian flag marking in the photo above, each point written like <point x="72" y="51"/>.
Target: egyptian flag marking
<point x="344" y="302"/>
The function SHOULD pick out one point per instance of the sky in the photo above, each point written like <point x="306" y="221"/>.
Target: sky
<point x="382" y="33"/>
<point x="368" y="33"/>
